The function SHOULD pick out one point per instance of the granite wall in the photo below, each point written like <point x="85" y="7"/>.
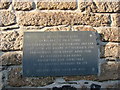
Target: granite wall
<point x="75" y="15"/>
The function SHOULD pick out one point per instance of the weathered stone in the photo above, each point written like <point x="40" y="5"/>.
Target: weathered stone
<point x="99" y="6"/>
<point x="75" y="78"/>
<point x="1" y="68"/>
<point x="114" y="86"/>
<point x="57" y="5"/>
<point x="16" y="79"/>
<point x="83" y="28"/>
<point x="11" y="58"/>
<point x="7" y="18"/>
<point x="32" y="28"/>
<point x="4" y="5"/>
<point x="11" y="40"/>
<point x="62" y="18"/>
<point x="107" y="33"/>
<point x="111" y="34"/>
<point x="58" y="29"/>
<point x="108" y="72"/>
<point x="25" y="6"/>
<point x="110" y="50"/>
<point x="116" y="20"/>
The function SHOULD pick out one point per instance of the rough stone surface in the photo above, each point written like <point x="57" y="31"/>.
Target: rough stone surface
<point x="25" y="6"/>
<point x="116" y="20"/>
<point x="32" y="28"/>
<point x="111" y="34"/>
<point x="99" y="6"/>
<point x="11" y="58"/>
<point x="11" y="40"/>
<point x="65" y="16"/>
<point x="57" y="5"/>
<point x="115" y="86"/>
<point x="108" y="72"/>
<point x="83" y="28"/>
<point x="62" y="18"/>
<point x="16" y="79"/>
<point x="1" y="68"/>
<point x="58" y="29"/>
<point x="110" y="50"/>
<point x="7" y="18"/>
<point x="4" y="5"/>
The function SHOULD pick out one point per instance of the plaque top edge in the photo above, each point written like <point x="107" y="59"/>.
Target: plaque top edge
<point x="55" y="31"/>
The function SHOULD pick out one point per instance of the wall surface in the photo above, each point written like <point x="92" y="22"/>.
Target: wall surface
<point x="17" y="17"/>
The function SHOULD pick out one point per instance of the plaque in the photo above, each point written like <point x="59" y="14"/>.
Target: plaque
<point x="60" y="53"/>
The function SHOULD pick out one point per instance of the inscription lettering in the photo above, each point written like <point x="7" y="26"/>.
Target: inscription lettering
<point x="60" y="53"/>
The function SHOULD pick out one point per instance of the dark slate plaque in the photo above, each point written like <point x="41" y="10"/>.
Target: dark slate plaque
<point x="60" y="53"/>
